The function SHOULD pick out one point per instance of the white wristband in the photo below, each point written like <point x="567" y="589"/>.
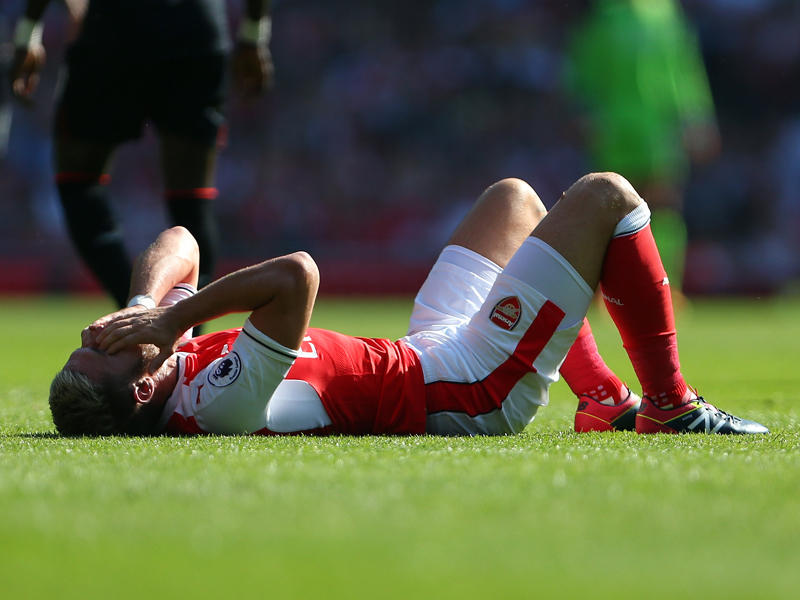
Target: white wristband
<point x="145" y="300"/>
<point x="28" y="33"/>
<point x="257" y="32"/>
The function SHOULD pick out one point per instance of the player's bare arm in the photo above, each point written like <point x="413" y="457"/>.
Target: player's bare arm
<point x="29" y="53"/>
<point x="252" y="62"/>
<point x="173" y="258"/>
<point x="279" y="294"/>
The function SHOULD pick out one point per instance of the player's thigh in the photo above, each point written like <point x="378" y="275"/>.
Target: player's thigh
<point x="102" y="100"/>
<point x="516" y="320"/>
<point x="492" y="373"/>
<point x="503" y="216"/>
<point x="190" y="100"/>
<point x="581" y="224"/>
<point x="188" y="113"/>
<point x="81" y="156"/>
<point x="454" y="291"/>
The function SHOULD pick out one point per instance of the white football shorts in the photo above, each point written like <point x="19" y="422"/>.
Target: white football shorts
<point x="490" y="340"/>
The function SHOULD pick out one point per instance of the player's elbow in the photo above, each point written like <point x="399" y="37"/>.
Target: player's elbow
<point x="182" y="236"/>
<point x="183" y="244"/>
<point x="302" y="275"/>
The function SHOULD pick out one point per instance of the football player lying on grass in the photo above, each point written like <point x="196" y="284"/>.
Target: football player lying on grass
<point x="500" y="312"/>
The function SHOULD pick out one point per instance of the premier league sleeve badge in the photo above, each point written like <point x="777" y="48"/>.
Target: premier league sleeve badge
<point x="225" y="370"/>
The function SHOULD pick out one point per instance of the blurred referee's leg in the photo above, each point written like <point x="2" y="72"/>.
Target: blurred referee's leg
<point x="82" y="186"/>
<point x="189" y="169"/>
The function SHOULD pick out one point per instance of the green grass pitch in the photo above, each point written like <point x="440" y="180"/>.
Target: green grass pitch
<point x="546" y="514"/>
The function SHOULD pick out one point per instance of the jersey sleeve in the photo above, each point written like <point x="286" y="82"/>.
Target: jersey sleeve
<point x="178" y="293"/>
<point x="237" y="387"/>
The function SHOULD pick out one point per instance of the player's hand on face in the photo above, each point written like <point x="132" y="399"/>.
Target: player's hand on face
<point x="252" y="69"/>
<point x="25" y="72"/>
<point x="152" y="326"/>
<point x="89" y="334"/>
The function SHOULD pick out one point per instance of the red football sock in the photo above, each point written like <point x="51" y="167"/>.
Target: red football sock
<point x="637" y="294"/>
<point x="587" y="374"/>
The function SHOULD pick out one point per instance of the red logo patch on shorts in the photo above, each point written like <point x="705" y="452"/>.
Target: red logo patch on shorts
<point x="506" y="313"/>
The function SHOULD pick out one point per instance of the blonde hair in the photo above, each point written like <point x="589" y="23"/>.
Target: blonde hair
<point x="81" y="406"/>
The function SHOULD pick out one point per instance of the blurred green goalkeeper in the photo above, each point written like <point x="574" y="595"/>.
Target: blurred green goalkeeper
<point x="636" y="70"/>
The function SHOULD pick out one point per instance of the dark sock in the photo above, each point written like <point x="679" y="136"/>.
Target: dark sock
<point x="94" y="231"/>
<point x="194" y="210"/>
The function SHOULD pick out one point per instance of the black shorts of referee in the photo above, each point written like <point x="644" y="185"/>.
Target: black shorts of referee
<point x="109" y="98"/>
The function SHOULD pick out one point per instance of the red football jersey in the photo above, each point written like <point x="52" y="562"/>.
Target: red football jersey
<point x="367" y="386"/>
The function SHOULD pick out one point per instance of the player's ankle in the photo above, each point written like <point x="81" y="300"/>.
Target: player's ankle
<point x="610" y="392"/>
<point x="678" y="395"/>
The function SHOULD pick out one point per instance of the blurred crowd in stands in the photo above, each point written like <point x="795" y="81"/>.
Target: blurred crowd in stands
<point x="389" y="118"/>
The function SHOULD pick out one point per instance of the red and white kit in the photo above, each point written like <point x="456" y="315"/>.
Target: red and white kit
<point x="483" y="347"/>
<point x="241" y="381"/>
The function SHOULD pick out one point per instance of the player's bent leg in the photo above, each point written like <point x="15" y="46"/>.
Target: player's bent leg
<point x="93" y="228"/>
<point x="605" y="403"/>
<point x="499" y="221"/>
<point x="637" y="294"/>
<point x="583" y="221"/>
<point x="459" y="282"/>
<point x="539" y="284"/>
<point x="595" y="209"/>
<point x="491" y="376"/>
<point x="512" y="207"/>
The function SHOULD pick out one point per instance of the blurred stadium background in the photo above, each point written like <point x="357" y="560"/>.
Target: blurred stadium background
<point x="389" y="117"/>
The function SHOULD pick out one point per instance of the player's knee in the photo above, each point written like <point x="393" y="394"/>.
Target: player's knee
<point x="184" y="239"/>
<point x="608" y="193"/>
<point x="514" y="185"/>
<point x="518" y="191"/>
